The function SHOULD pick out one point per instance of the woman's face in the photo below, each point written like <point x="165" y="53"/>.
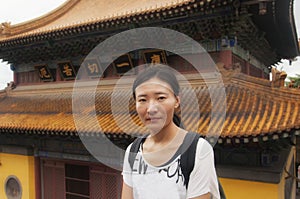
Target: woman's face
<point x="155" y="104"/>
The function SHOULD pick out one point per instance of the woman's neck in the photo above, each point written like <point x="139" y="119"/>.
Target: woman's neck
<point x="160" y="148"/>
<point x="165" y="135"/>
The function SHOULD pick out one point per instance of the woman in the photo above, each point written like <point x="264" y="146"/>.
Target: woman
<point x="156" y="171"/>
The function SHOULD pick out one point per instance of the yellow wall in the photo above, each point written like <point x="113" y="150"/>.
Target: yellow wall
<point x="22" y="167"/>
<point x="237" y="189"/>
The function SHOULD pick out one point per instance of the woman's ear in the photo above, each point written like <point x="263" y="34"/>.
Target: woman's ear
<point x="177" y="103"/>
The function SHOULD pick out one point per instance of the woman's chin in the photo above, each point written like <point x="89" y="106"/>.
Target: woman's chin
<point x="154" y="128"/>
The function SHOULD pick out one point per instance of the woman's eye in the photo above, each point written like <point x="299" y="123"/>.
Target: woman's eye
<point x="161" y="98"/>
<point x="142" y="100"/>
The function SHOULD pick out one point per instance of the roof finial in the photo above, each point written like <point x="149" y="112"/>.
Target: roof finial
<point x="278" y="77"/>
<point x="5" y="28"/>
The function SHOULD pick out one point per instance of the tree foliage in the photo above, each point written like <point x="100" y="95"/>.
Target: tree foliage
<point x="294" y="81"/>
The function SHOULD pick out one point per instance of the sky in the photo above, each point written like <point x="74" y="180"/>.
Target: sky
<point x="18" y="11"/>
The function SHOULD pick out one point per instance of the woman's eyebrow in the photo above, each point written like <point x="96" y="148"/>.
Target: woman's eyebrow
<point x="156" y="93"/>
<point x="159" y="93"/>
<point x="142" y="95"/>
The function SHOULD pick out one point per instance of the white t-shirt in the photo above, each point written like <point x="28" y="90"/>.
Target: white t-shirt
<point x="167" y="181"/>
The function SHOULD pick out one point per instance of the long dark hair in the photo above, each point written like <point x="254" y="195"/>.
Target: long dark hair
<point x="163" y="73"/>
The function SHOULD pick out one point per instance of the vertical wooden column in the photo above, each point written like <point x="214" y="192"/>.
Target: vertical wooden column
<point x="263" y="74"/>
<point x="16" y="78"/>
<point x="247" y="68"/>
<point x="226" y="58"/>
<point x="140" y="62"/>
<point x="37" y="171"/>
<point x="58" y="76"/>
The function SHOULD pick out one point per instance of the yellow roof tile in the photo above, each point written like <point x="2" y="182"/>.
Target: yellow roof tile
<point x="80" y="12"/>
<point x="252" y="109"/>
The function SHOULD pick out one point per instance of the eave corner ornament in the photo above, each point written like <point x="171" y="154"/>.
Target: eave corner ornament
<point x="5" y="28"/>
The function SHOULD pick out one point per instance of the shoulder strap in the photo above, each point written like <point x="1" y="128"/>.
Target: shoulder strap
<point x="221" y="190"/>
<point x="187" y="159"/>
<point x="134" y="149"/>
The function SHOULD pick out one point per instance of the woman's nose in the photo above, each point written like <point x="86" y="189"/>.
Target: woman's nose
<point x="152" y="108"/>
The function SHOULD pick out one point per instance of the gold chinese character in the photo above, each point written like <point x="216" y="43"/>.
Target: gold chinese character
<point x="44" y="73"/>
<point x="67" y="70"/>
<point x="155" y="59"/>
<point x="93" y="68"/>
<point x="124" y="64"/>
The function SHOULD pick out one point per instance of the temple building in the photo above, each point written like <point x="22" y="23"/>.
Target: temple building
<point x="55" y="142"/>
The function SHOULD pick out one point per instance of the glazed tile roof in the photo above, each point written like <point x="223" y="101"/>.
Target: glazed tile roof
<point x="81" y="12"/>
<point x="200" y="19"/>
<point x="253" y="109"/>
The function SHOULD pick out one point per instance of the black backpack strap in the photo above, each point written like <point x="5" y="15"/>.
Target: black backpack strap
<point x="221" y="191"/>
<point x="134" y="149"/>
<point x="187" y="160"/>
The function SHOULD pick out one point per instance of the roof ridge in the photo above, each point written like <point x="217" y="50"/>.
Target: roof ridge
<point x="35" y="26"/>
<point x="7" y="30"/>
<point x="263" y="86"/>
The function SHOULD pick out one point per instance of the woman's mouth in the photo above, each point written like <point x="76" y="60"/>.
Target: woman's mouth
<point x="153" y="119"/>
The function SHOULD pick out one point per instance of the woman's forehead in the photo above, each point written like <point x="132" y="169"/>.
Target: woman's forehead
<point x="153" y="83"/>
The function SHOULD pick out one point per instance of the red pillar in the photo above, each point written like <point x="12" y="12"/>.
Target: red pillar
<point x="140" y="68"/>
<point x="15" y="78"/>
<point x="226" y="58"/>
<point x="37" y="172"/>
<point x="247" y="68"/>
<point x="58" y="76"/>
